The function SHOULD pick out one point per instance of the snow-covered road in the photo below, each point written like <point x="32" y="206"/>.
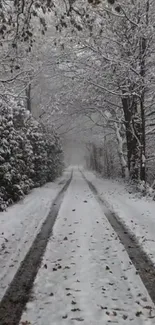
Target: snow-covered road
<point x="137" y="214"/>
<point x="86" y="275"/>
<point x="19" y="226"/>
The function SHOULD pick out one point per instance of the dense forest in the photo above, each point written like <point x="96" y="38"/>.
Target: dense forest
<point x="76" y="69"/>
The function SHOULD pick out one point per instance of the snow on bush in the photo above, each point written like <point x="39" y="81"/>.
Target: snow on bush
<point x="29" y="155"/>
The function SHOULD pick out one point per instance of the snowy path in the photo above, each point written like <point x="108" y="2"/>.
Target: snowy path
<point x="86" y="275"/>
<point x="138" y="214"/>
<point x="19" y="226"/>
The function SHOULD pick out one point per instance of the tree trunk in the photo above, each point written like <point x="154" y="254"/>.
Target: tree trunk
<point x="124" y="167"/>
<point x="143" y="144"/>
<point x="133" y="135"/>
<point x="143" y="45"/>
<point x="127" y="116"/>
<point x="28" y="97"/>
<point x="142" y="57"/>
<point x="106" y="160"/>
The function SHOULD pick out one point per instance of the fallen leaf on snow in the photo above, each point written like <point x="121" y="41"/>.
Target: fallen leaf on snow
<point x="138" y="313"/>
<point x="73" y="302"/>
<point x="78" y="319"/>
<point x="65" y="316"/>
<point x="75" y="309"/>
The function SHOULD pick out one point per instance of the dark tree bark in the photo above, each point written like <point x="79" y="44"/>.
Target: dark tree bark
<point x="133" y="135"/>
<point x="28" y="97"/>
<point x="143" y="46"/>
<point x="127" y="116"/>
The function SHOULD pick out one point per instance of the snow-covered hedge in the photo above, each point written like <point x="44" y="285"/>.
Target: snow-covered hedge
<point x="29" y="154"/>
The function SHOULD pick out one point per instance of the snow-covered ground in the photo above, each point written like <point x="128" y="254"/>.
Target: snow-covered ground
<point x="86" y="275"/>
<point x="138" y="214"/>
<point x="19" y="226"/>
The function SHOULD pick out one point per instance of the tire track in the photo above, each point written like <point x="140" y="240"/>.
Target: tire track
<point x="17" y="294"/>
<point x="139" y="258"/>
